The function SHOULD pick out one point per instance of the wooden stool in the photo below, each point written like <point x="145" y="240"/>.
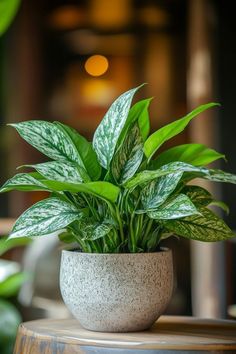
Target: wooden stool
<point x="168" y="335"/>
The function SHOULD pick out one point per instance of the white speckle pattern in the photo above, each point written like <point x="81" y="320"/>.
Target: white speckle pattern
<point x="116" y="292"/>
<point x="108" y="131"/>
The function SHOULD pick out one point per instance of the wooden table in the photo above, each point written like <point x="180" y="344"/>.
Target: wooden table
<point x="169" y="335"/>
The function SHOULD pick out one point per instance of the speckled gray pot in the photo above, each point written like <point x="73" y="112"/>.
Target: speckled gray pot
<point x="116" y="292"/>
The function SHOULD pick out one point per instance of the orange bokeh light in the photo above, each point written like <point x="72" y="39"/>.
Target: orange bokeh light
<point x="96" y="65"/>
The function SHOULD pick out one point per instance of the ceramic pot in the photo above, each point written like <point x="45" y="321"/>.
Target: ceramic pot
<point x="120" y="292"/>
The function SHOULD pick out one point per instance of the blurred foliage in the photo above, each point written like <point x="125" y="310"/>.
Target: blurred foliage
<point x="10" y="318"/>
<point x="9" y="322"/>
<point x="6" y="245"/>
<point x="8" y="10"/>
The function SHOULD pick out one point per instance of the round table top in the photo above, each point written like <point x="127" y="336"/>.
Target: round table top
<point x="172" y="334"/>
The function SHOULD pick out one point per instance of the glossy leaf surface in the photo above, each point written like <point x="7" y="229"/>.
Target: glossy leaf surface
<point x="173" y="167"/>
<point x="156" y="192"/>
<point x="128" y="157"/>
<point x="195" y="154"/>
<point x="45" y="217"/>
<point x="23" y="182"/>
<point x="206" y="227"/>
<point x="110" y="128"/>
<point x="85" y="150"/>
<point x="170" y="130"/>
<point x="63" y="171"/>
<point x="179" y="207"/>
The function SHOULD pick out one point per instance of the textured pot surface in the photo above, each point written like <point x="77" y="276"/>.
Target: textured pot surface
<point x="116" y="292"/>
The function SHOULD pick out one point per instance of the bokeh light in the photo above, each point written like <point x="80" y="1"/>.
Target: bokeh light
<point x="96" y="65"/>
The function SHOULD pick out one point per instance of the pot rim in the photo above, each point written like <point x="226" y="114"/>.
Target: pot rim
<point x="162" y="250"/>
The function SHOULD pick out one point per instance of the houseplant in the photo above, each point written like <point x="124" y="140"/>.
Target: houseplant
<point x="117" y="198"/>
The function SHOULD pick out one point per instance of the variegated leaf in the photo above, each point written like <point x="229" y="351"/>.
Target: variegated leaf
<point x="199" y="196"/>
<point x="62" y="171"/>
<point x="195" y="154"/>
<point x="49" y="139"/>
<point x="156" y="192"/>
<point x="221" y="176"/>
<point x="85" y="150"/>
<point x="206" y="227"/>
<point x="45" y="217"/>
<point x="95" y="231"/>
<point x="173" y="167"/>
<point x="23" y="182"/>
<point x="138" y="113"/>
<point x="102" y="189"/>
<point x="179" y="207"/>
<point x="212" y="175"/>
<point x="110" y="128"/>
<point x="129" y="156"/>
<point x="167" y="132"/>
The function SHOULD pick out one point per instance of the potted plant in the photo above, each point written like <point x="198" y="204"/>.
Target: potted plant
<point x="117" y="198"/>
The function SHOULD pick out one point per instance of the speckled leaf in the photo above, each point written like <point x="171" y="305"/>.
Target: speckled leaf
<point x="195" y="154"/>
<point x="63" y="171"/>
<point x="199" y="196"/>
<point x="95" y="231"/>
<point x="129" y="156"/>
<point x="221" y="176"/>
<point x="206" y="227"/>
<point x="173" y="167"/>
<point x="49" y="139"/>
<point x="85" y="150"/>
<point x="45" y="217"/>
<point x="212" y="175"/>
<point x="110" y="128"/>
<point x="167" y="132"/>
<point x="157" y="191"/>
<point x="23" y="182"/>
<point x="102" y="189"/>
<point x="177" y="208"/>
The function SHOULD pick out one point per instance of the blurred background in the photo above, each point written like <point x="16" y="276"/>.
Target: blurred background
<point x="67" y="60"/>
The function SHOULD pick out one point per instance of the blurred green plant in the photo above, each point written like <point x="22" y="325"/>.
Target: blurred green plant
<point x="8" y="10"/>
<point x="10" y="317"/>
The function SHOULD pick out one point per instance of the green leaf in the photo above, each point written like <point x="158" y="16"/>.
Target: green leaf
<point x="128" y="157"/>
<point x="173" y="167"/>
<point x="139" y="112"/>
<point x="179" y="207"/>
<point x="167" y="132"/>
<point x="23" y="182"/>
<point x="9" y="321"/>
<point x="67" y="237"/>
<point x="54" y="140"/>
<point x="45" y="217"/>
<point x="198" y="195"/>
<point x="10" y="286"/>
<point x="6" y="244"/>
<point x="156" y="192"/>
<point x="102" y="189"/>
<point x="195" y="154"/>
<point x="221" y="205"/>
<point x="206" y="227"/>
<point x="94" y="231"/>
<point x="221" y="176"/>
<point x="85" y="150"/>
<point x="212" y="175"/>
<point x="107" y="134"/>
<point x="63" y="171"/>
<point x="8" y="10"/>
